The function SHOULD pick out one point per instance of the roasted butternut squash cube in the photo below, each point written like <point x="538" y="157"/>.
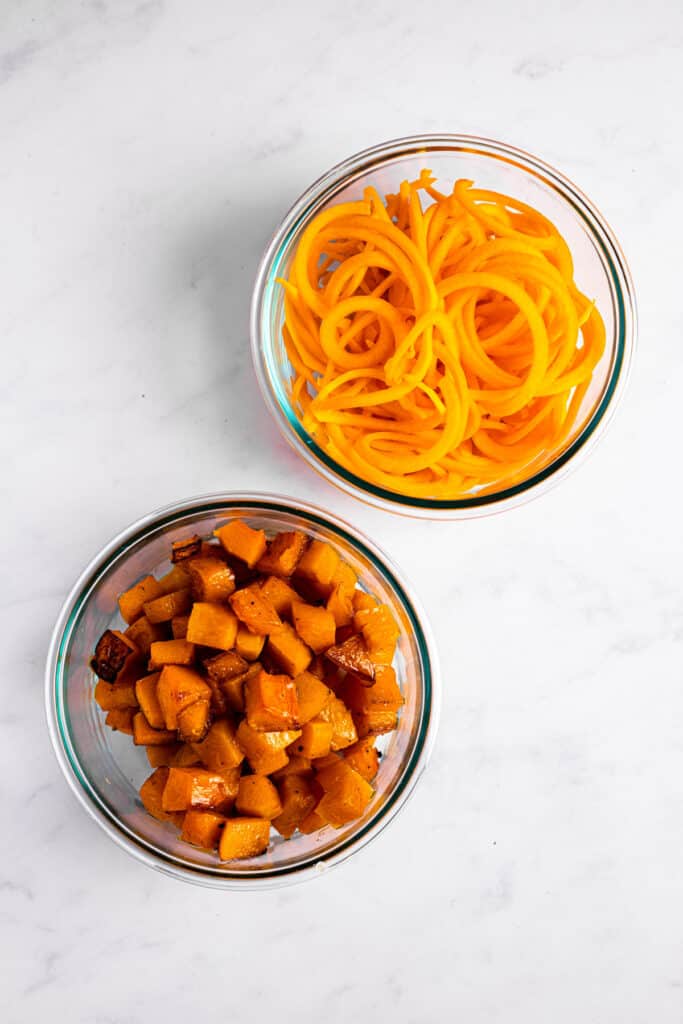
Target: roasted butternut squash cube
<point x="257" y="797"/>
<point x="325" y="762"/>
<point x="363" y="758"/>
<point x="297" y="764"/>
<point x="380" y="633"/>
<point x="178" y="578"/>
<point x="179" y="626"/>
<point x="194" y="721"/>
<point x="280" y="595"/>
<point x="345" y="578"/>
<point x="221" y="750"/>
<point x="352" y="656"/>
<point x="255" y="611"/>
<point x="375" y="722"/>
<point x="114" y="649"/>
<point x="151" y="793"/>
<point x="145" y="736"/>
<point x="383" y="695"/>
<point x="211" y="579"/>
<point x="131" y="601"/>
<point x="162" y="754"/>
<point x="247" y="644"/>
<point x="347" y="794"/>
<point x="313" y="822"/>
<point x="315" y="739"/>
<point x="283" y="553"/>
<point x="225" y="666"/>
<point x="121" y="720"/>
<point x="241" y="541"/>
<point x="298" y="800"/>
<point x="166" y="607"/>
<point x="271" y="702"/>
<point x="203" y="828"/>
<point x="340" y="606"/>
<point x="265" y="751"/>
<point x="146" y="694"/>
<point x="338" y="715"/>
<point x="317" y="566"/>
<point x="362" y="601"/>
<point x="197" y="787"/>
<point x="316" y="626"/>
<point x="312" y="695"/>
<point x="186" y="548"/>
<point x="170" y="652"/>
<point x="244" y="837"/>
<point x="288" y="650"/>
<point x="212" y="625"/>
<point x="144" y="633"/>
<point x="186" y="757"/>
<point x="177" y="689"/>
<point x="112" y="696"/>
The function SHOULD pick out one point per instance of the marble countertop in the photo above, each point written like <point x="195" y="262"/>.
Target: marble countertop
<point x="148" y="149"/>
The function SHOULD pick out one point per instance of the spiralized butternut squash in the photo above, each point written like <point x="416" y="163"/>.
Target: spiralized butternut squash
<point x="439" y="344"/>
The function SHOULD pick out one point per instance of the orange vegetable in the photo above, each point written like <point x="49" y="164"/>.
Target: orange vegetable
<point x="339" y="605"/>
<point x="241" y="541"/>
<point x="212" y="625"/>
<point x="145" y="736"/>
<point x="194" y="721"/>
<point x="197" y="787"/>
<point x="383" y="695"/>
<point x="113" y="696"/>
<point x="203" y="828"/>
<point x="151" y="794"/>
<point x="187" y="548"/>
<point x="352" y="656"/>
<point x="257" y="797"/>
<point x="247" y="644"/>
<point x="179" y="687"/>
<point x="255" y="610"/>
<point x="288" y="650"/>
<point x="131" y="602"/>
<point x="186" y="757"/>
<point x="347" y="794"/>
<point x="146" y="694"/>
<point x="179" y="626"/>
<point x="296" y="765"/>
<point x="316" y="626"/>
<point x="177" y="579"/>
<point x="312" y="823"/>
<point x="221" y="750"/>
<point x="244" y="837"/>
<point x="166" y="607"/>
<point x="315" y="739"/>
<point x="380" y="633"/>
<point x="312" y="696"/>
<point x="271" y="702"/>
<point x="363" y="758"/>
<point x="338" y="715"/>
<point x="318" y="566"/>
<point x="283" y="554"/>
<point x="298" y="800"/>
<point x="280" y="595"/>
<point x="375" y="722"/>
<point x="211" y="579"/>
<point x="438" y="350"/>
<point x="144" y="633"/>
<point x="121" y="720"/>
<point x="162" y="754"/>
<point x="113" y="654"/>
<point x="265" y="750"/>
<point x="170" y="652"/>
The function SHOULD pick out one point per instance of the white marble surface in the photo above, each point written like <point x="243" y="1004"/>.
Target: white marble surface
<point x="147" y="150"/>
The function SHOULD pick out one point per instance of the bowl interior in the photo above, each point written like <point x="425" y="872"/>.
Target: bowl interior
<point x="599" y="273"/>
<point x="108" y="769"/>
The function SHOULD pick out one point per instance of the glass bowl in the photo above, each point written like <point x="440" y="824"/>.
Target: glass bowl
<point x="600" y="269"/>
<point x="104" y="768"/>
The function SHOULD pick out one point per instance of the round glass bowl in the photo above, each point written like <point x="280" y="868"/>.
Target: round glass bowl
<point x="600" y="272"/>
<point x="104" y="768"/>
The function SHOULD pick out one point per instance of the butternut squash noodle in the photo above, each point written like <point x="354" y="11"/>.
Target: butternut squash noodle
<point x="439" y="344"/>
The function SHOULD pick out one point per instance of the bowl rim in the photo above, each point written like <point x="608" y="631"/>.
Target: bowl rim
<point x="614" y="263"/>
<point x="222" y="877"/>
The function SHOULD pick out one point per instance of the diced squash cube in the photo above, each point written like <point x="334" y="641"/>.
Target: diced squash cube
<point x="347" y="794"/>
<point x="179" y="626"/>
<point x="188" y="547"/>
<point x="166" y="607"/>
<point x="212" y="625"/>
<point x="383" y="695"/>
<point x="363" y="601"/>
<point x="197" y="787"/>
<point x="297" y="765"/>
<point x="298" y="800"/>
<point x="211" y="579"/>
<point x="318" y="566"/>
<point x="289" y="651"/>
<point x="375" y="722"/>
<point x="380" y="633"/>
<point x="221" y="750"/>
<point x="265" y="750"/>
<point x="121" y="720"/>
<point x="162" y="754"/>
<point x="145" y="736"/>
<point x="186" y="757"/>
<point x="325" y="762"/>
<point x="270" y="762"/>
<point x="144" y="633"/>
<point x="177" y="689"/>
<point x="340" y="606"/>
<point x="280" y="595"/>
<point x="257" y="797"/>
<point x="113" y="696"/>
<point x="363" y="758"/>
<point x="247" y="644"/>
<point x="203" y="828"/>
<point x="316" y="626"/>
<point x="194" y="721"/>
<point x="313" y="822"/>
<point x="312" y="695"/>
<point x="345" y="578"/>
<point x="177" y="579"/>
<point x="338" y="715"/>
<point x="352" y="656"/>
<point x="131" y="601"/>
<point x="170" y="652"/>
<point x="113" y="651"/>
<point x="241" y="541"/>
<point x="146" y="694"/>
<point x="315" y="739"/>
<point x="151" y="794"/>
<point x="255" y="611"/>
<point x="283" y="553"/>
<point x="225" y="666"/>
<point x="271" y="702"/>
<point x="244" y="837"/>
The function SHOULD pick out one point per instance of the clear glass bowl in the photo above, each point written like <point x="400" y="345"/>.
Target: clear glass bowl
<point x="600" y="269"/>
<point x="104" y="768"/>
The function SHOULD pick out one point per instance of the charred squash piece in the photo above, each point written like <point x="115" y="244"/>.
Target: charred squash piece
<point x="111" y="653"/>
<point x="187" y="548"/>
<point x="283" y="553"/>
<point x="352" y="656"/>
<point x="194" y="721"/>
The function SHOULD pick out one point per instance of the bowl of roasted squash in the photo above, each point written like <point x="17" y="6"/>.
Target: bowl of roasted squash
<point x="241" y="690"/>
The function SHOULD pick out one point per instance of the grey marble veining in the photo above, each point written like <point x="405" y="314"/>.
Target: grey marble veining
<point x="148" y="150"/>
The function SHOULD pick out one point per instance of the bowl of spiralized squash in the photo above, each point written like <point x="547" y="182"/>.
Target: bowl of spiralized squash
<point x="442" y="326"/>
